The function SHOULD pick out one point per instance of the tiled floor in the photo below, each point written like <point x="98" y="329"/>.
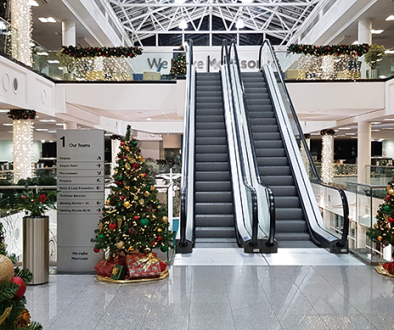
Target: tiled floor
<point x="249" y="296"/>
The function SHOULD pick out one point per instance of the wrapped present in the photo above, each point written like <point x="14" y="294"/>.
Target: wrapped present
<point x="105" y="267"/>
<point x="389" y="267"/>
<point x="118" y="272"/>
<point x="140" y="265"/>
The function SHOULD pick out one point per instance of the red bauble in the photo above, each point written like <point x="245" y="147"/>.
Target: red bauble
<point x="123" y="197"/>
<point x="159" y="238"/>
<point x="96" y="250"/>
<point x="153" y="244"/>
<point x="135" y="166"/>
<point x="387" y="197"/>
<point x="112" y="226"/>
<point x="122" y="143"/>
<point x="145" y="175"/>
<point x="136" y="217"/>
<point x="22" y="287"/>
<point x="42" y="198"/>
<point x="390" y="220"/>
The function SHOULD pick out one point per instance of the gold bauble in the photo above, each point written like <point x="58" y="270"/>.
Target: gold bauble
<point x="131" y="248"/>
<point x="159" y="230"/>
<point x="126" y="204"/>
<point x="164" y="219"/>
<point x="135" y="197"/>
<point x="120" y="245"/>
<point x="375" y="225"/>
<point x="391" y="191"/>
<point x="127" y="187"/>
<point x="116" y="172"/>
<point x="147" y="250"/>
<point x="127" y="149"/>
<point x="6" y="269"/>
<point x="142" y="175"/>
<point x="146" y="193"/>
<point x="142" y="160"/>
<point x="153" y="216"/>
<point x="152" y="188"/>
<point x="131" y="159"/>
<point x="127" y="166"/>
<point x="141" y="201"/>
<point x="380" y="238"/>
<point x="107" y="201"/>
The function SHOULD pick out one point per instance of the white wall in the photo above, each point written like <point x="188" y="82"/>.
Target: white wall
<point x="388" y="148"/>
<point x="6" y="150"/>
<point x="150" y="149"/>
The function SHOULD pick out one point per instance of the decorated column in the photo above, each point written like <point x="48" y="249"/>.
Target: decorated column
<point x="115" y="145"/>
<point x="327" y="155"/>
<point x="304" y="154"/>
<point x="363" y="151"/>
<point x="22" y="143"/>
<point x="21" y="19"/>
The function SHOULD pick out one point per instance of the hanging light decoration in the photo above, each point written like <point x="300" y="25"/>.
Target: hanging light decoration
<point x="23" y="148"/>
<point x="21" y="18"/>
<point x="327" y="155"/>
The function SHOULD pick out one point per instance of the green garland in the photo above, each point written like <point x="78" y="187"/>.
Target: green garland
<point x="21" y="114"/>
<point x="336" y="50"/>
<point x="327" y="132"/>
<point x="79" y="52"/>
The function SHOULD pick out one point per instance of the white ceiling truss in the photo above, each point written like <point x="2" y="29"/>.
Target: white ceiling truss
<point x="279" y="19"/>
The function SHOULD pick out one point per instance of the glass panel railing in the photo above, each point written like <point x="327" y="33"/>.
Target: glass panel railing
<point x="268" y="58"/>
<point x="8" y="39"/>
<point x="379" y="175"/>
<point x="364" y="201"/>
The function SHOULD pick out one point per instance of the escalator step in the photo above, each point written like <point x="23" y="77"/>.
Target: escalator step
<point x="213" y="196"/>
<point x="211" y="141"/>
<point x="289" y="214"/>
<point x="268" y="121"/>
<point x="267" y="144"/>
<point x="284" y="191"/>
<point x="292" y="237"/>
<point x="267" y="136"/>
<point x="257" y="96"/>
<point x="210" y="133"/>
<point x="210" y="125"/>
<point x="212" y="166"/>
<point x="211" y="241"/>
<point x="261" y="113"/>
<point x="202" y="87"/>
<point x="209" y="119"/>
<point x="210" y="220"/>
<point x="264" y="128"/>
<point x="212" y="185"/>
<point x="285" y="180"/>
<point x="211" y="148"/>
<point x="209" y="93"/>
<point x="287" y="201"/>
<point x="212" y="176"/>
<point x="214" y="208"/>
<point x="213" y="157"/>
<point x="260" y="102"/>
<point x="275" y="170"/>
<point x="209" y="112"/>
<point x="272" y="161"/>
<point x="291" y="226"/>
<point x="209" y="99"/>
<point x="214" y="232"/>
<point x="271" y="152"/>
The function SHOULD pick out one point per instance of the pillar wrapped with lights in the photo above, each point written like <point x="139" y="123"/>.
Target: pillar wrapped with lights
<point x="22" y="143"/>
<point x="327" y="155"/>
<point x="115" y="144"/>
<point x="21" y="19"/>
<point x="304" y="154"/>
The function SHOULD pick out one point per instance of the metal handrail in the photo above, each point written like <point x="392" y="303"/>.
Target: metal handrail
<point x="271" y="237"/>
<point x="345" y="231"/>
<point x="185" y="172"/>
<point x="255" y="222"/>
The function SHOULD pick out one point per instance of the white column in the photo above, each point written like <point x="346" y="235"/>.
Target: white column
<point x="364" y="31"/>
<point x="68" y="33"/>
<point x="115" y="144"/>
<point x="304" y="154"/>
<point x="363" y="150"/>
<point x="327" y="158"/>
<point x="70" y="125"/>
<point x="22" y="149"/>
<point x="21" y="19"/>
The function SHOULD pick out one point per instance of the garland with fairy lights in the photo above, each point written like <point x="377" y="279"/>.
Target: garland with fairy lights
<point x="78" y="52"/>
<point x="327" y="132"/>
<point x="21" y="114"/>
<point x="336" y="50"/>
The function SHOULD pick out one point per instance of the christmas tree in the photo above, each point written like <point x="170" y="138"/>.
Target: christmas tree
<point x="383" y="228"/>
<point x="133" y="218"/>
<point x="13" y="314"/>
<point x="178" y="66"/>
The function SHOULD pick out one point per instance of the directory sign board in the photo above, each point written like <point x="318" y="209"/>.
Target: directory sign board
<point x="80" y="182"/>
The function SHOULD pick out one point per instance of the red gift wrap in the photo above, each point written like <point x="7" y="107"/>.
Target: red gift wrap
<point x="105" y="267"/>
<point x="141" y="265"/>
<point x="389" y="266"/>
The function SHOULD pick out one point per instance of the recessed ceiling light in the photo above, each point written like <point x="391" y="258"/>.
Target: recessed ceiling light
<point x="42" y="53"/>
<point x="382" y="77"/>
<point x="42" y="141"/>
<point x="344" y="128"/>
<point x="47" y="19"/>
<point x="240" y="23"/>
<point x="10" y="132"/>
<point x="48" y="120"/>
<point x="376" y="122"/>
<point x="389" y="51"/>
<point x="4" y="111"/>
<point x="41" y="129"/>
<point x="390" y="18"/>
<point x="388" y="127"/>
<point x="50" y="141"/>
<point x="375" y="130"/>
<point x="380" y="140"/>
<point x="107" y="134"/>
<point x="355" y="42"/>
<point x="183" y="24"/>
<point x="148" y="118"/>
<point x="388" y="119"/>
<point x="7" y="124"/>
<point x="59" y="124"/>
<point x="52" y="132"/>
<point x="350" y="133"/>
<point x="353" y="137"/>
<point x="33" y="3"/>
<point x="53" y="61"/>
<point x="376" y="31"/>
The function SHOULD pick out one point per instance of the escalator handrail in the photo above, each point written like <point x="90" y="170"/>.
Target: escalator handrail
<point x="271" y="237"/>
<point x="255" y="222"/>
<point x="185" y="172"/>
<point x="342" y="194"/>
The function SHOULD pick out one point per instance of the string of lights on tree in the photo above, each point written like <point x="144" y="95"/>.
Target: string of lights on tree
<point x="327" y="155"/>
<point x="336" y="50"/>
<point x="78" y="52"/>
<point x="21" y="114"/>
<point x="178" y="66"/>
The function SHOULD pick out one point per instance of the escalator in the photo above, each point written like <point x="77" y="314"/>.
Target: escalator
<point x="274" y="168"/>
<point x="214" y="208"/>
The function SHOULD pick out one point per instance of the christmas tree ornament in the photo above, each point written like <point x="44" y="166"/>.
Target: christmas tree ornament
<point x="127" y="187"/>
<point x="164" y="219"/>
<point x="119" y="223"/>
<point x="148" y="187"/>
<point x="159" y="238"/>
<point x="387" y="197"/>
<point x="135" y="197"/>
<point x="112" y="226"/>
<point x="6" y="269"/>
<point x="126" y="204"/>
<point x="127" y="166"/>
<point x="134" y="142"/>
<point x="159" y="230"/>
<point x="164" y="248"/>
<point x="100" y="227"/>
<point x="136" y="217"/>
<point x="22" y="287"/>
<point x="96" y="250"/>
<point x="391" y="191"/>
<point x="146" y="193"/>
<point x="120" y="245"/>
<point x="152" y="188"/>
<point x="135" y="166"/>
<point x="387" y="208"/>
<point x="141" y="201"/>
<point x="380" y="238"/>
<point x="122" y="144"/>
<point x="144" y="222"/>
<point x="127" y="148"/>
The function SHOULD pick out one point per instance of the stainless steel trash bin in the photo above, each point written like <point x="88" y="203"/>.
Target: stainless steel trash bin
<point x="36" y="248"/>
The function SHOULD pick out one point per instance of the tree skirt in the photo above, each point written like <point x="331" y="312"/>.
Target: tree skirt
<point x="162" y="276"/>
<point x="383" y="271"/>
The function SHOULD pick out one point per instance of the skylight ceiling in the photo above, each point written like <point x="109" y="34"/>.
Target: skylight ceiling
<point x="279" y="19"/>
